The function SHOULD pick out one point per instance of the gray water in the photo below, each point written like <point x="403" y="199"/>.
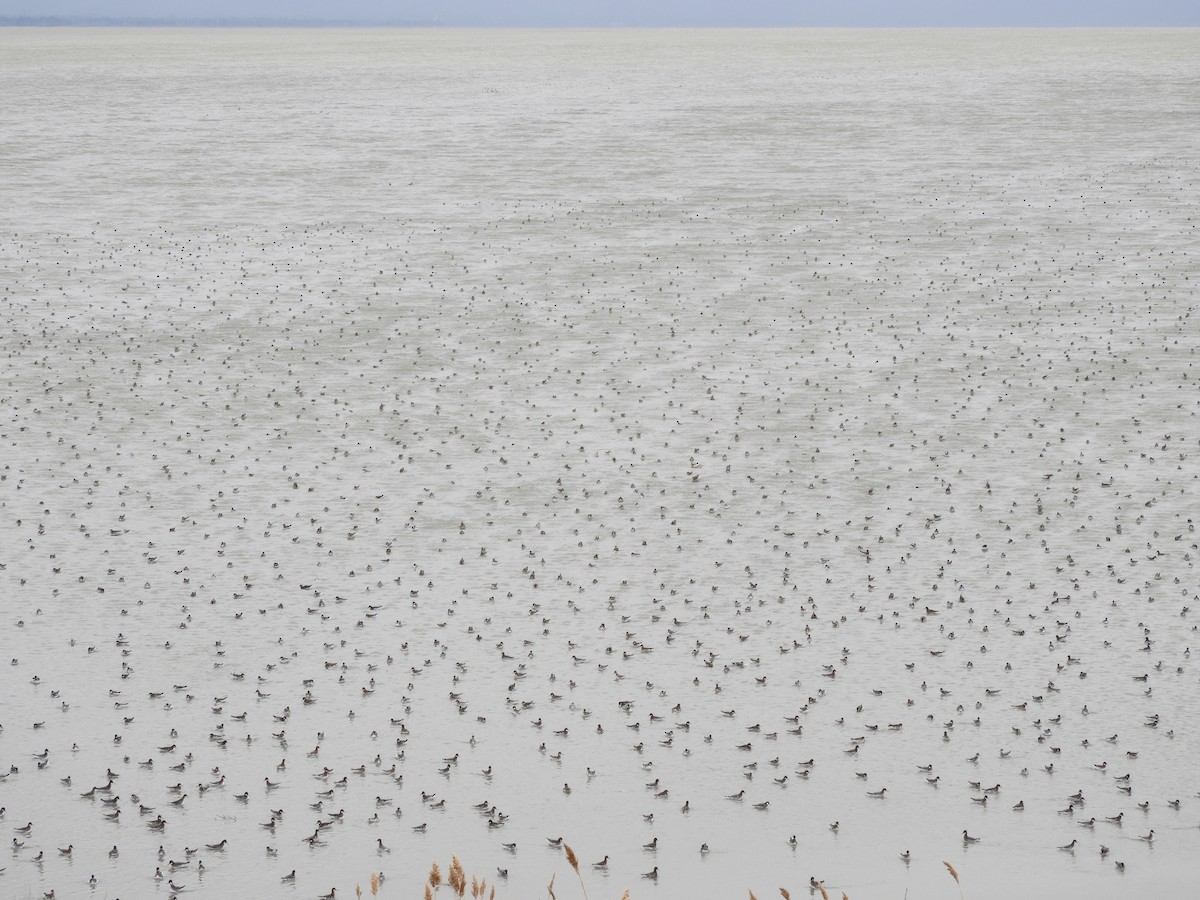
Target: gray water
<point x="632" y="383"/>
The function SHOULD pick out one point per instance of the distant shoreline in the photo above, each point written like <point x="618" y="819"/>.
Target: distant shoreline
<point x="137" y="22"/>
<point x="144" y="22"/>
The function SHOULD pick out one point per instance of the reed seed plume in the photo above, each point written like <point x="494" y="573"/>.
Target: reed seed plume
<point x="374" y="883"/>
<point x="573" y="860"/>
<point x="435" y="877"/>
<point x="821" y="888"/>
<point x="752" y="897"/>
<point x="784" y="893"/>
<point x="458" y="877"/>
<point x="954" y="874"/>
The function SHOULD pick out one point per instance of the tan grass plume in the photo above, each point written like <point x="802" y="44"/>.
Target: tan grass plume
<point x="954" y="874"/>
<point x="573" y="861"/>
<point x="458" y="877"/>
<point x="435" y="877"/>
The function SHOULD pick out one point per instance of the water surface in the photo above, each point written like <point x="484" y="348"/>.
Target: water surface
<point x="574" y="405"/>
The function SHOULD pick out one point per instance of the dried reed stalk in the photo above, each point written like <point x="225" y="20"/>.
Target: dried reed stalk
<point x="458" y="877"/>
<point x="573" y="861"/>
<point x="954" y="874"/>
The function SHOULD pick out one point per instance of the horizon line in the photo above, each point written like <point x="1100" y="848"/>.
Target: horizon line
<point x="34" y="21"/>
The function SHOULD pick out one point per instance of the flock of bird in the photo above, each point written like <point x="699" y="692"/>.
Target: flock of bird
<point x="681" y="536"/>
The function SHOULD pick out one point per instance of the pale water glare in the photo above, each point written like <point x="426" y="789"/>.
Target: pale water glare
<point x="534" y="434"/>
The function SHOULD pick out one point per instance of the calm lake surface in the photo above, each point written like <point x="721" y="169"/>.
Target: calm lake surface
<point x="538" y="434"/>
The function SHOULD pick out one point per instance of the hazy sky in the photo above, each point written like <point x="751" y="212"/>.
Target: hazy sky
<point x="647" y="12"/>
